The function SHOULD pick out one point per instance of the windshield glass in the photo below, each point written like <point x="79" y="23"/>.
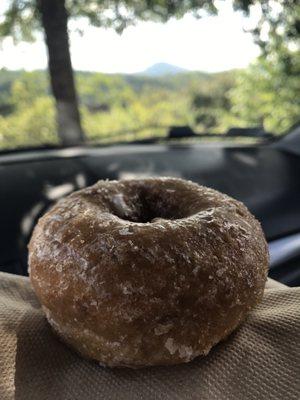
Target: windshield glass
<point x="137" y="71"/>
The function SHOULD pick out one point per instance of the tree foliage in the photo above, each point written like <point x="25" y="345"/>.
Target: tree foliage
<point x="280" y="18"/>
<point x="268" y="92"/>
<point x="268" y="96"/>
<point x="21" y="18"/>
<point x="278" y="28"/>
<point x="211" y="101"/>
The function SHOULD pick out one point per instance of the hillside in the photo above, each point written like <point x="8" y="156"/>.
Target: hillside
<point x="95" y="87"/>
<point x="127" y="107"/>
<point x="113" y="107"/>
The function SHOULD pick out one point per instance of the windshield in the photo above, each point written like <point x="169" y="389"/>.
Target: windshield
<point x="79" y="74"/>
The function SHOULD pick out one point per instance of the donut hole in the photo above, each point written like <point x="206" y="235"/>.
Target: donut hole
<point x="162" y="204"/>
<point x="154" y="209"/>
<point x="150" y="205"/>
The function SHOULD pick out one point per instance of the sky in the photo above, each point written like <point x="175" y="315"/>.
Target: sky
<point x="210" y="44"/>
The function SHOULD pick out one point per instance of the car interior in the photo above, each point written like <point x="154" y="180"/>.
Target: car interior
<point x="264" y="176"/>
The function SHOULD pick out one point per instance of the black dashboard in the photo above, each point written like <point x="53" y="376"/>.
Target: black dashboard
<point x="265" y="177"/>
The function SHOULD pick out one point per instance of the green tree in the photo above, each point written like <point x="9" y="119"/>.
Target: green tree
<point x="23" y="18"/>
<point x="27" y="88"/>
<point x="268" y="93"/>
<point x="101" y="90"/>
<point x="210" y="100"/>
<point x="32" y="125"/>
<point x="278" y="29"/>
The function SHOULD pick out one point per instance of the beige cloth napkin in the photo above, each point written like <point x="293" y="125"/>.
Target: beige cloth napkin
<point x="259" y="361"/>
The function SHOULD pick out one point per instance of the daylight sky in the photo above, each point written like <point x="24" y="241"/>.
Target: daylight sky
<point x="209" y="44"/>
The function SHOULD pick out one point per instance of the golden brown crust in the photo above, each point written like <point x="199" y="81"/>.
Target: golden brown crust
<point x="147" y="272"/>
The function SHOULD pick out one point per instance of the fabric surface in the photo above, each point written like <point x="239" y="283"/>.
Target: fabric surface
<point x="258" y="361"/>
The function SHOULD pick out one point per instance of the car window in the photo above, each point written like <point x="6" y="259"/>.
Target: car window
<point x="138" y="71"/>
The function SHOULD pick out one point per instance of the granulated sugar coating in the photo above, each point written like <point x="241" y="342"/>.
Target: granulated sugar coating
<point x="147" y="272"/>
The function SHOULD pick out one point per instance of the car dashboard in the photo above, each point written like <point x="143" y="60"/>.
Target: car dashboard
<point x="264" y="177"/>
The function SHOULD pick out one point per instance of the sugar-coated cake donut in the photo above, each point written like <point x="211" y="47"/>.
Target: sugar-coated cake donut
<point x="148" y="271"/>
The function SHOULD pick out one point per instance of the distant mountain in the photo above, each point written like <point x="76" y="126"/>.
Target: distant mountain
<point x="161" y="69"/>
